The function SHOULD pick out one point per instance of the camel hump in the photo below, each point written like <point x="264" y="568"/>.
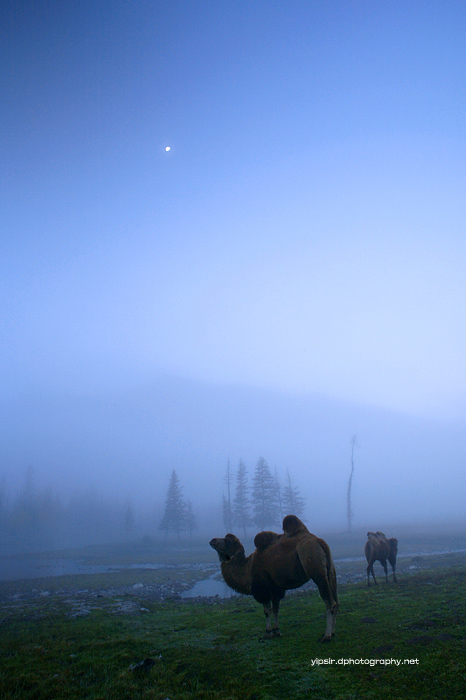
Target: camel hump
<point x="264" y="539"/>
<point x="377" y="536"/>
<point x="292" y="525"/>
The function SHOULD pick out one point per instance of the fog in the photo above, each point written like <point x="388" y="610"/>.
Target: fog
<point x="288" y="275"/>
<point x="100" y="454"/>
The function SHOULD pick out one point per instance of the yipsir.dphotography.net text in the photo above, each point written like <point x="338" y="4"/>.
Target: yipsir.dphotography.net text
<point x="364" y="662"/>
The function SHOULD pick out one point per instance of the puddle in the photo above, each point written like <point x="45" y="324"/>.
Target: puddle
<point x="209" y="587"/>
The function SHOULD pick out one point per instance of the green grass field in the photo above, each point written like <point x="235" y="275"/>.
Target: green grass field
<point x="215" y="650"/>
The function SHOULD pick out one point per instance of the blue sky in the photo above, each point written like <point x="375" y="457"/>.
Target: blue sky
<point x="305" y="232"/>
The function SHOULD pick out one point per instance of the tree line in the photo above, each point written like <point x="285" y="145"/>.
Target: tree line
<point x="261" y="505"/>
<point x="37" y="517"/>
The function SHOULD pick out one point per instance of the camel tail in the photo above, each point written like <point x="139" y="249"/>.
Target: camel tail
<point x="331" y="573"/>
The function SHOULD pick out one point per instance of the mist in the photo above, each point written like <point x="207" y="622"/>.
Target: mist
<point x="289" y="274"/>
<point x="95" y="456"/>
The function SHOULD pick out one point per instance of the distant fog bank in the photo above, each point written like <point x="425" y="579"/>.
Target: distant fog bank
<point x="92" y="457"/>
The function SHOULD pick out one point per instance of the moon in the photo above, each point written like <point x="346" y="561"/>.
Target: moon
<point x="167" y="148"/>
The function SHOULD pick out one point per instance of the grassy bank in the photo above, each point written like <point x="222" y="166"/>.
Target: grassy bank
<point x="214" y="650"/>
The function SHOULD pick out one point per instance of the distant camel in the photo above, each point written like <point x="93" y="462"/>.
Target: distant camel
<point x="378" y="548"/>
<point x="280" y="563"/>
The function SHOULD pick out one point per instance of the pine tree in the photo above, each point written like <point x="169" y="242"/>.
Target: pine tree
<point x="174" y="518"/>
<point x="241" y="505"/>
<point x="293" y="502"/>
<point x="264" y="496"/>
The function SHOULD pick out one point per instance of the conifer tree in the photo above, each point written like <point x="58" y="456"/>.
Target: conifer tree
<point x="293" y="502"/>
<point x="241" y="504"/>
<point x="264" y="496"/>
<point x="174" y="518"/>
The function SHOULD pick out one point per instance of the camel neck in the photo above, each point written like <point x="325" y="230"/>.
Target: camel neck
<point x="237" y="573"/>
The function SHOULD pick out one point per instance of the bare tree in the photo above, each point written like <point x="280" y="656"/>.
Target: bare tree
<point x="279" y="495"/>
<point x="349" y="509"/>
<point x="3" y="501"/>
<point x="227" y="512"/>
<point x="191" y="520"/>
<point x="129" y="519"/>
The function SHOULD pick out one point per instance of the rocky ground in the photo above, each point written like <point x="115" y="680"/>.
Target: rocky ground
<point x="33" y="599"/>
<point x="79" y="602"/>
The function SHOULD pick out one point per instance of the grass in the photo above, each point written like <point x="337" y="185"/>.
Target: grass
<point x="214" y="650"/>
<point x="147" y="550"/>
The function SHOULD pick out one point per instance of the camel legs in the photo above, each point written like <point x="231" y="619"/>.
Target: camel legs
<point x="331" y="616"/>
<point x="384" y="564"/>
<point x="331" y="604"/>
<point x="271" y="611"/>
<point x="370" y="570"/>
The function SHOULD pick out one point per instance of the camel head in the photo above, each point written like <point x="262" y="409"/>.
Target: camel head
<point x="226" y="547"/>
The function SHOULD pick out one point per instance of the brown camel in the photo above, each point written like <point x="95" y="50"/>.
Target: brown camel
<point x="280" y="563"/>
<point x="378" y="548"/>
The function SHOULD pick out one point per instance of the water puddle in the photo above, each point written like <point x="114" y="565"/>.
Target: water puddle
<point x="210" y="587"/>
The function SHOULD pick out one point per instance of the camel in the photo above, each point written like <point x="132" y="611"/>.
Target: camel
<point x="280" y="563"/>
<point x="378" y="548"/>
